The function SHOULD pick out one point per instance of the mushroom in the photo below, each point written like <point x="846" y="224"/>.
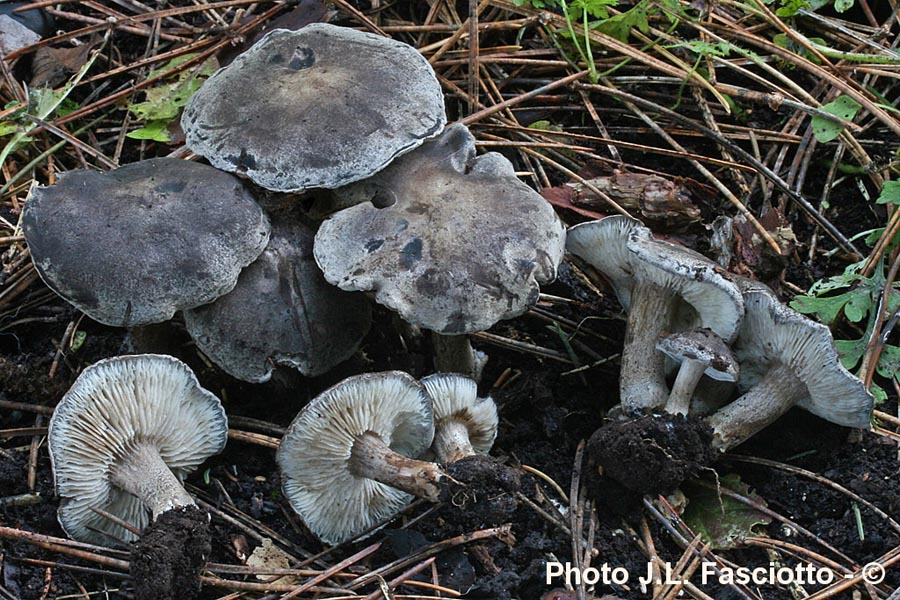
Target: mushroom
<point x="347" y="460"/>
<point x="319" y="107"/>
<point x="451" y="242"/>
<point x="464" y="424"/>
<point x="136" y="244"/>
<point x="786" y="360"/>
<point x="664" y="287"/>
<point x="282" y="312"/>
<point x="700" y="352"/>
<point x="121" y="439"/>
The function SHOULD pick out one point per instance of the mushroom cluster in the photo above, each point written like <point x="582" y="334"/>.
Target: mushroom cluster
<point x="350" y="459"/>
<point x="684" y="308"/>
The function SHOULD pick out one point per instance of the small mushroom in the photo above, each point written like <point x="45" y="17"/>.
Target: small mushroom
<point x="121" y="440"/>
<point x="282" y="312"/>
<point x="664" y="287"/>
<point x="451" y="242"/>
<point x="786" y="360"/>
<point x="347" y="460"/>
<point x="700" y="352"/>
<point x="319" y="107"/>
<point x="464" y="424"/>
<point x="136" y="244"/>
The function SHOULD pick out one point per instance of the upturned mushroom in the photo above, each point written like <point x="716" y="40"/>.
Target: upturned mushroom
<point x="134" y="245"/>
<point x="699" y="352"/>
<point x="786" y="360"/>
<point x="347" y="460"/>
<point x="464" y="424"/>
<point x="320" y="107"/>
<point x="451" y="242"/>
<point x="121" y="440"/>
<point x="663" y="287"/>
<point x="281" y="312"/>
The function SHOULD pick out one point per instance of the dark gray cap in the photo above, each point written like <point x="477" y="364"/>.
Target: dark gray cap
<point x="282" y="312"/>
<point x="704" y="346"/>
<point x="135" y="245"/>
<point x="320" y="107"/>
<point x="450" y="241"/>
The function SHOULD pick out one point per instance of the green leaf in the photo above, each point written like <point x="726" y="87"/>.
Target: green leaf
<point x="889" y="362"/>
<point x="890" y="193"/>
<point x="791" y="8"/>
<point x="77" y="341"/>
<point x="851" y="351"/>
<point x="620" y="25"/>
<point x="827" y="308"/>
<point x="162" y="103"/>
<point x="843" y="107"/>
<point x="879" y="393"/>
<point x="843" y="5"/>
<point x="720" y="519"/>
<point x="153" y="130"/>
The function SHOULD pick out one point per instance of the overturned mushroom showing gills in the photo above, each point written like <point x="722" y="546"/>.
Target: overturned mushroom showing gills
<point x="663" y="287"/>
<point x="450" y="241"/>
<point x="121" y="440"/>
<point x="786" y="360"/>
<point x="320" y="107"/>
<point x="282" y="312"/>
<point x="347" y="460"/>
<point x="464" y="424"/>
<point x="700" y="352"/>
<point x="136" y="244"/>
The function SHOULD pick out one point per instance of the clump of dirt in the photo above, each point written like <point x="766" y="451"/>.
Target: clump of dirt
<point x="482" y="490"/>
<point x="166" y="561"/>
<point x="652" y="455"/>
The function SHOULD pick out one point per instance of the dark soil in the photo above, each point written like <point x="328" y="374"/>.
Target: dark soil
<point x="167" y="559"/>
<point x="651" y="455"/>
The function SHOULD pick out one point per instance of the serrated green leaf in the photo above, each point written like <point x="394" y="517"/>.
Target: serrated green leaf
<point x="620" y="25"/>
<point x="890" y="193"/>
<point x="153" y="130"/>
<point x="163" y="102"/>
<point x="843" y="107"/>
<point x="720" y="519"/>
<point x="856" y="304"/>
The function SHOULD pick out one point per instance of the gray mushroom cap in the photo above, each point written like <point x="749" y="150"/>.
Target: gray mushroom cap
<point x="774" y="334"/>
<point x="603" y="244"/>
<point x="450" y="241"/>
<point x="282" y="312"/>
<point x="136" y="244"/>
<point x="455" y="399"/>
<point x="704" y="346"/>
<point x="320" y="107"/>
<point x="715" y="301"/>
<point x="315" y="454"/>
<point x="114" y="406"/>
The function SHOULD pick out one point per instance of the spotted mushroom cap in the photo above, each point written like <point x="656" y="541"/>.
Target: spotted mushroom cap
<point x="711" y="299"/>
<point x="136" y="244"/>
<point x="319" y="107"/>
<point x="450" y="241"/>
<point x="704" y="346"/>
<point x="315" y="451"/>
<point x="115" y="403"/>
<point x="282" y="312"/>
<point x="773" y="333"/>
<point x="603" y="245"/>
<point x="456" y="398"/>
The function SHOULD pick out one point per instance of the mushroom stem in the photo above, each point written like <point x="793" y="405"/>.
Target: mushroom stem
<point x="451" y="441"/>
<point x="371" y="458"/>
<point x="142" y="472"/>
<point x="689" y="375"/>
<point x="775" y="393"/>
<point x="642" y="382"/>
<point x="454" y="354"/>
